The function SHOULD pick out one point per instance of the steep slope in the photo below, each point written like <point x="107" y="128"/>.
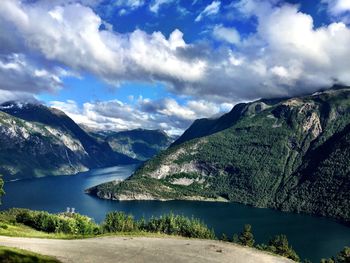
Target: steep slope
<point x="36" y="141"/>
<point x="139" y="144"/>
<point x="266" y="158"/>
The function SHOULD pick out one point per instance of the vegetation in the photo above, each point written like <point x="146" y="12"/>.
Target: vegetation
<point x="246" y="238"/>
<point x="14" y="255"/>
<point x="287" y="154"/>
<point x="279" y="245"/>
<point x="342" y="257"/>
<point x="138" y="144"/>
<point x="2" y="192"/>
<point x="75" y="224"/>
<point x="28" y="223"/>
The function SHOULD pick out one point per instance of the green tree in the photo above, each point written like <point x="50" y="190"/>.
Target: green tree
<point x="280" y="245"/>
<point x="344" y="255"/>
<point x="328" y="260"/>
<point x="2" y="192"/>
<point x="246" y="238"/>
<point x="224" y="237"/>
<point x="119" y="222"/>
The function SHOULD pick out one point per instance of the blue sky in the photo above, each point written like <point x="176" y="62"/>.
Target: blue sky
<point x="160" y="64"/>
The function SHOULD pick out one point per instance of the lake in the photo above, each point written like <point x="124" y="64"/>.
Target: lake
<point x="312" y="237"/>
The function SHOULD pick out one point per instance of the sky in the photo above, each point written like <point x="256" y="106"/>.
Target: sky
<point x="161" y="64"/>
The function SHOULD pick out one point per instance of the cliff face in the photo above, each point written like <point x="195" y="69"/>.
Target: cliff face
<point x="37" y="141"/>
<point x="289" y="154"/>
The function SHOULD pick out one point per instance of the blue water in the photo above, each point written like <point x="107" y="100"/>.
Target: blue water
<point x="312" y="237"/>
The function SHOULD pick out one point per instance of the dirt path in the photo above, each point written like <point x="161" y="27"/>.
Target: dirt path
<point x="141" y="249"/>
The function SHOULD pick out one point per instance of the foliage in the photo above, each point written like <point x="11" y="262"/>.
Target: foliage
<point x="62" y="223"/>
<point x="280" y="246"/>
<point x="119" y="222"/>
<point x="178" y="225"/>
<point x="2" y="192"/>
<point x="246" y="238"/>
<point x="342" y="257"/>
<point x="167" y="224"/>
<point x="328" y="260"/>
<point x="14" y="255"/>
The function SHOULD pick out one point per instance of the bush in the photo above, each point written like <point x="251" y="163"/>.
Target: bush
<point x="280" y="246"/>
<point x="119" y="222"/>
<point x="246" y="238"/>
<point x="62" y="223"/>
<point x="178" y="225"/>
<point x="342" y="257"/>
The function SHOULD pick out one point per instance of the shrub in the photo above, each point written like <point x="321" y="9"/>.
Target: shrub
<point x="246" y="238"/>
<point x="119" y="222"/>
<point x="61" y="223"/>
<point x="178" y="225"/>
<point x="344" y="255"/>
<point x="279" y="245"/>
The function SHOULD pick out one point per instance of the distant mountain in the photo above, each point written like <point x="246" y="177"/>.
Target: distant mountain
<point x="139" y="144"/>
<point x="290" y="154"/>
<point x="36" y="140"/>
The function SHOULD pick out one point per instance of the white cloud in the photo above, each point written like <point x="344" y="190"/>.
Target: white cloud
<point x="165" y="114"/>
<point x="337" y="7"/>
<point x="286" y="55"/>
<point x="19" y="74"/>
<point x="77" y="41"/>
<point x="7" y="95"/>
<point x="126" y="6"/>
<point x="156" y="5"/>
<point x="209" y="10"/>
<point x="339" y="10"/>
<point x="230" y="35"/>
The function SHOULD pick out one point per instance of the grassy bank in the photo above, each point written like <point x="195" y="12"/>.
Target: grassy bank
<point x="15" y="255"/>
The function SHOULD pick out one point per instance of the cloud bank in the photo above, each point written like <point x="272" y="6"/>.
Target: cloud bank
<point x="164" y="114"/>
<point x="43" y="41"/>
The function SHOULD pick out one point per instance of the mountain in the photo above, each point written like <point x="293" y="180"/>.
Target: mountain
<point x="36" y="140"/>
<point x="139" y="144"/>
<point x="289" y="154"/>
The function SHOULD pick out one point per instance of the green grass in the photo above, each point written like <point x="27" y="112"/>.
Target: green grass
<point x="15" y="255"/>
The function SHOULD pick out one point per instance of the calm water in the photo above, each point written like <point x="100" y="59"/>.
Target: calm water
<point x="312" y="237"/>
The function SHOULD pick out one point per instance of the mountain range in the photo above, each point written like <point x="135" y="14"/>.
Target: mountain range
<point x="36" y="140"/>
<point x="290" y="154"/>
<point x="139" y="144"/>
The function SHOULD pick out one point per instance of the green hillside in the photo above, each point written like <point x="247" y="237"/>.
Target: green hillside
<point x="289" y="154"/>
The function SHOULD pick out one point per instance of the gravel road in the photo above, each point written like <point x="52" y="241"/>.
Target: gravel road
<point x="141" y="249"/>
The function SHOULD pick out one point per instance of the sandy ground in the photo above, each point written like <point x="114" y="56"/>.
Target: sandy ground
<point x="141" y="249"/>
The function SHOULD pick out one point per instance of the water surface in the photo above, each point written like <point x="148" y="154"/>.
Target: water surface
<point x="312" y="237"/>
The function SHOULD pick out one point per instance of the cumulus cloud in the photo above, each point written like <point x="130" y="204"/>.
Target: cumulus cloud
<point x="338" y="9"/>
<point x="18" y="74"/>
<point x="165" y="114"/>
<point x="79" y="43"/>
<point x="286" y="55"/>
<point x="230" y="35"/>
<point x="209" y="10"/>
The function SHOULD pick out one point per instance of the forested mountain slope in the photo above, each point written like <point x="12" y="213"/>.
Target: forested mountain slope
<point x="290" y="154"/>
